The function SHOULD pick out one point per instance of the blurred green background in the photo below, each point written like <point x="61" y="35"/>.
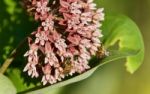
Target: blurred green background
<point x="111" y="78"/>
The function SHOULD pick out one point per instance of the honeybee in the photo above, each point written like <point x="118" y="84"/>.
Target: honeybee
<point x="101" y="53"/>
<point x="67" y="66"/>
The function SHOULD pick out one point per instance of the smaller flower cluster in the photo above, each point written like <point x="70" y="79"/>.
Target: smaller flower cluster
<point x="66" y="39"/>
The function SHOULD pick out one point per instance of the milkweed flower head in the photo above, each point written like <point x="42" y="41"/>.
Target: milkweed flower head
<point x="67" y="38"/>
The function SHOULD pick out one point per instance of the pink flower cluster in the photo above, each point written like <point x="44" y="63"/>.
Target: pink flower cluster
<point x="66" y="39"/>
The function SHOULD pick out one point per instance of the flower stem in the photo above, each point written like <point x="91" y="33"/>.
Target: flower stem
<point x="12" y="56"/>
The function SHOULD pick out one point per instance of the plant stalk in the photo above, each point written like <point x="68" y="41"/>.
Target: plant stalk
<point x="12" y="56"/>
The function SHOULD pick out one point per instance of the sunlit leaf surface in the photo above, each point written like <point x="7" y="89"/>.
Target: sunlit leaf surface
<point x="121" y="29"/>
<point x="6" y="86"/>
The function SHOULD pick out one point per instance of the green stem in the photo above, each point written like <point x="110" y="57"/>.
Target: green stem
<point x="12" y="56"/>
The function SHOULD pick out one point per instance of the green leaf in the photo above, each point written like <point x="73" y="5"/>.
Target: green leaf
<point x="119" y="28"/>
<point x="19" y="80"/>
<point x="6" y="86"/>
